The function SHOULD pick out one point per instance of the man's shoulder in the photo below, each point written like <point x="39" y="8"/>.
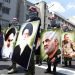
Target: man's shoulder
<point x="63" y="41"/>
<point x="17" y="47"/>
<point x="27" y="47"/>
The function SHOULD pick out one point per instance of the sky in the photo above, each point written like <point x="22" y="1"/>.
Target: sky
<point x="65" y="8"/>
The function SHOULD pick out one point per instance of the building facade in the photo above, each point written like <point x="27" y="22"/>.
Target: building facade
<point x="24" y="10"/>
<point x="52" y="19"/>
<point x="19" y="9"/>
<point x="8" y="10"/>
<point x="44" y="13"/>
<point x="59" y="21"/>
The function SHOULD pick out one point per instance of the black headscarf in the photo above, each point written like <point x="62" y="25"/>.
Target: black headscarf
<point x="12" y="30"/>
<point x="29" y="27"/>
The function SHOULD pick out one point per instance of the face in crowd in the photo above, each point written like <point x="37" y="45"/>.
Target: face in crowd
<point x="49" y="43"/>
<point x="10" y="39"/>
<point x="26" y="34"/>
<point x="27" y="31"/>
<point x="66" y="37"/>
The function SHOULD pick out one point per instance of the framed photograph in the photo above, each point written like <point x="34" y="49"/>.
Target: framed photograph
<point x="49" y="34"/>
<point x="24" y="45"/>
<point x="9" y="42"/>
<point x="68" y="43"/>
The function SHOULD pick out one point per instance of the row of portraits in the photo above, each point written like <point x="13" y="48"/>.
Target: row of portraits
<point x="18" y="46"/>
<point x="66" y="42"/>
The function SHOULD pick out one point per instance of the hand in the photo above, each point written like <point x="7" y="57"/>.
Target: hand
<point x="68" y="55"/>
<point x="53" y="60"/>
<point x="72" y="54"/>
<point x="59" y="55"/>
<point x="65" y="55"/>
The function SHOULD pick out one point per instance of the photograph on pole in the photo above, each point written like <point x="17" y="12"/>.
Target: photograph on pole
<point x="68" y="44"/>
<point x="52" y="36"/>
<point x="9" y="42"/>
<point x="24" y="45"/>
<point x="50" y="49"/>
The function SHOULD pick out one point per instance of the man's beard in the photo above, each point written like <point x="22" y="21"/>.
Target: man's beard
<point x="8" y="45"/>
<point x="50" y="49"/>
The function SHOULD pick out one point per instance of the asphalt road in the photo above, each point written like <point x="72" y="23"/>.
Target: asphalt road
<point x="39" y="70"/>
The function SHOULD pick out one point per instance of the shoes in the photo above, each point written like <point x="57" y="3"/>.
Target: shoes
<point x="5" y="59"/>
<point x="54" y="72"/>
<point x="66" y="65"/>
<point x="12" y="71"/>
<point x="10" y="67"/>
<point x="70" y="65"/>
<point x="39" y="64"/>
<point x="48" y="71"/>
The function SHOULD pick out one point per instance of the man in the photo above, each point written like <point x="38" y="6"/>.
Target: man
<point x="51" y="47"/>
<point x="38" y="52"/>
<point x="22" y="50"/>
<point x="9" y="40"/>
<point x="33" y="16"/>
<point x="67" y="50"/>
<point x="1" y="42"/>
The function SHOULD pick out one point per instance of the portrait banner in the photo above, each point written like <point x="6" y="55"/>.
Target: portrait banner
<point x="68" y="44"/>
<point x="9" y="42"/>
<point x="51" y="35"/>
<point x="24" y="45"/>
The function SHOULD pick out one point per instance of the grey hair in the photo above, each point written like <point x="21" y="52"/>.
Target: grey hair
<point x="51" y="35"/>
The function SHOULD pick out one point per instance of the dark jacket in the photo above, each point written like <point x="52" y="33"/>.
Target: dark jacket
<point x="1" y="43"/>
<point x="24" y="58"/>
<point x="1" y="39"/>
<point x="37" y="51"/>
<point x="57" y="59"/>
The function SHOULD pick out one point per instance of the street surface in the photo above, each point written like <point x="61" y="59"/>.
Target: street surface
<point x="39" y="70"/>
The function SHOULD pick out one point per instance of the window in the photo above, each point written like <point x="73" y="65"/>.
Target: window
<point x="0" y="6"/>
<point x="49" y="26"/>
<point x="55" y="23"/>
<point x="28" y="7"/>
<point x="7" y="1"/>
<point x="5" y="10"/>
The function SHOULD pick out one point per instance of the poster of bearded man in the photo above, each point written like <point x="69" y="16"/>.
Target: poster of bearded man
<point x="24" y="45"/>
<point x="9" y="42"/>
<point x="52" y="35"/>
<point x="50" y="48"/>
<point x="68" y="44"/>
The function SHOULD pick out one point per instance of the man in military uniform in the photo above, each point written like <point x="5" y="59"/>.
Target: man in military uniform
<point x="67" y="50"/>
<point x="51" y="47"/>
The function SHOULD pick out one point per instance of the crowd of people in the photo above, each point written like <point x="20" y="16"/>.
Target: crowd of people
<point x="1" y="42"/>
<point x="68" y="50"/>
<point x="51" y="47"/>
<point x="50" y="43"/>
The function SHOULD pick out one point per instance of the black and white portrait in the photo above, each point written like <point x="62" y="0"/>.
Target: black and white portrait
<point x="9" y="40"/>
<point x="24" y="46"/>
